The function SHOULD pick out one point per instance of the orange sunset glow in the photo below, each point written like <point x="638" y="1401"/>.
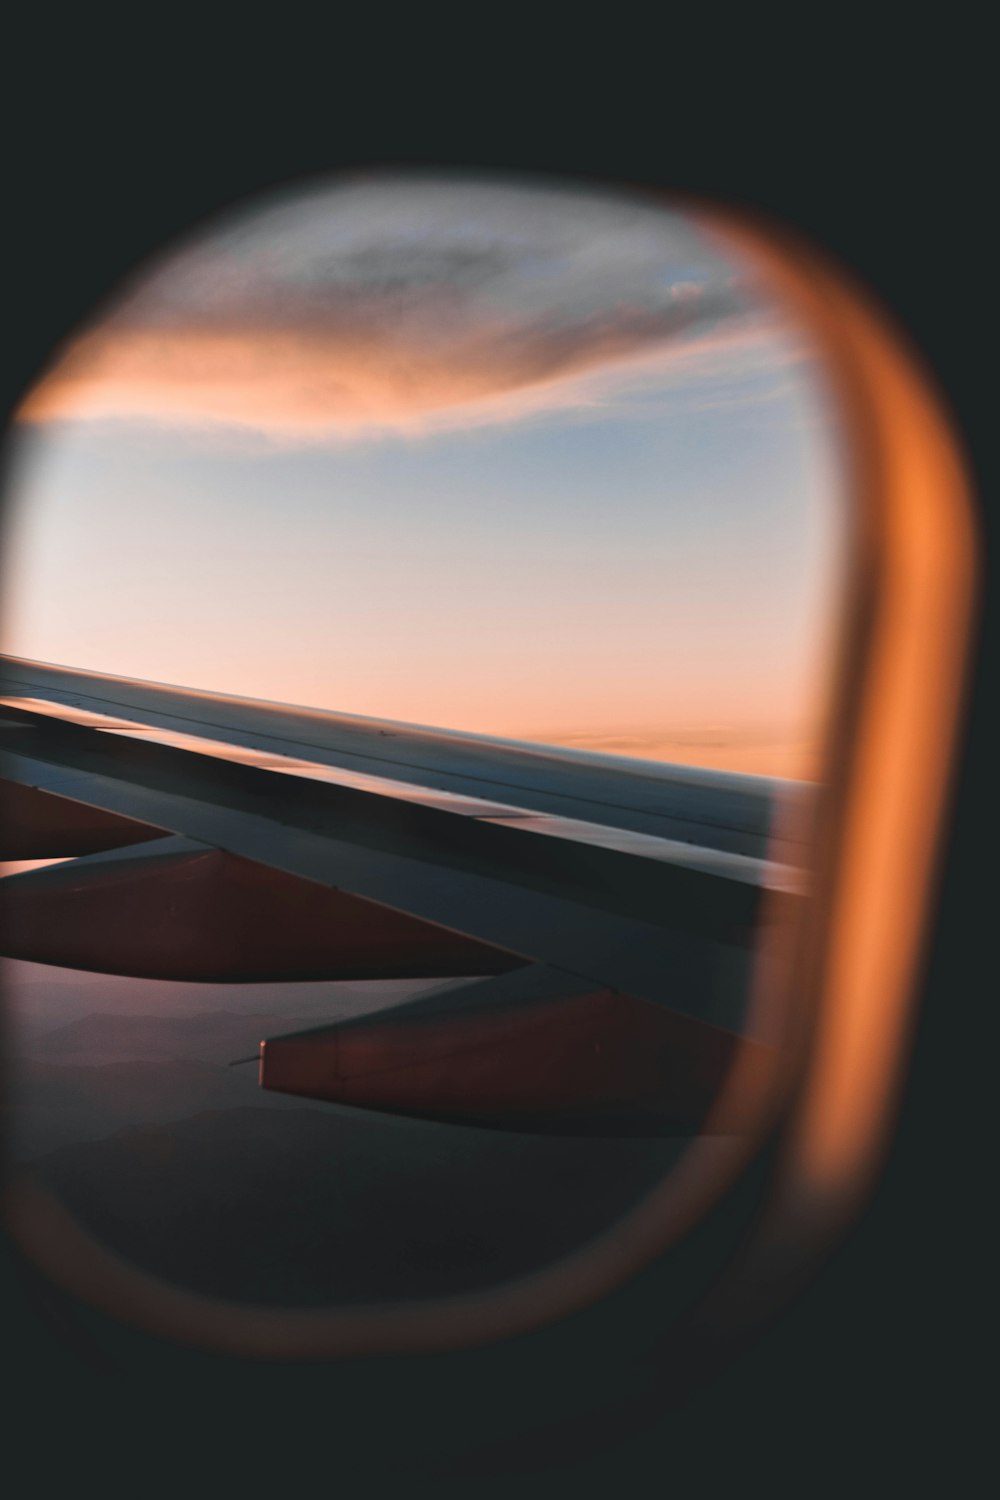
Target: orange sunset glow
<point x="524" y="461"/>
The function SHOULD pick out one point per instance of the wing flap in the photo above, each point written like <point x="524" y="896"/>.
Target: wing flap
<point x="537" y="1050"/>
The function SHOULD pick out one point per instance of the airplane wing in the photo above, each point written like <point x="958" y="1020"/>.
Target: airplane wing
<point x="603" y="910"/>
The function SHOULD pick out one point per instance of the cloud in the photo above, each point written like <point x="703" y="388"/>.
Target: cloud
<point x="405" y="304"/>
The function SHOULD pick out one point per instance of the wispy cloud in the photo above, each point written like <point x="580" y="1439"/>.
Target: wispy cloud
<point x="410" y="306"/>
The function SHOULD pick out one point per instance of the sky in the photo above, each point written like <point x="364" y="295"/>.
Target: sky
<point x="511" y="457"/>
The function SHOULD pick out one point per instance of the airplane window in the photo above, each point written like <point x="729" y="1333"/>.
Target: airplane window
<point x="423" y="598"/>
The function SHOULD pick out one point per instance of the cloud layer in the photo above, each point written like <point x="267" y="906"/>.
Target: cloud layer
<point x="404" y="304"/>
